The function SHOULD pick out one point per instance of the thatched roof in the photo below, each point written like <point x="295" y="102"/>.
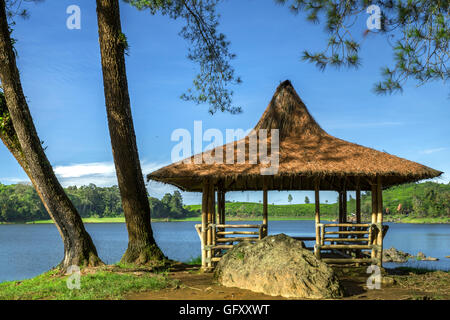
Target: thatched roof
<point x="306" y="153"/>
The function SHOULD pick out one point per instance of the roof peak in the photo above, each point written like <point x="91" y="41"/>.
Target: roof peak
<point x="287" y="112"/>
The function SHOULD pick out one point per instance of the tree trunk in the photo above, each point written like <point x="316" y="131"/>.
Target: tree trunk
<point x="142" y="248"/>
<point x="26" y="147"/>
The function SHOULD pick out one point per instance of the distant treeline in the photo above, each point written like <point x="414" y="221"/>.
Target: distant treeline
<point x="20" y="203"/>
<point x="426" y="199"/>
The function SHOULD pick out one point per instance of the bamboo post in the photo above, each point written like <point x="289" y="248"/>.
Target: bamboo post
<point x="374" y="216"/>
<point x="317" y="220"/>
<point x="380" y="220"/>
<point x="344" y="206"/>
<point x="223" y="207"/>
<point x="219" y="206"/>
<point x="340" y="220"/>
<point x="204" y="239"/>
<point x="211" y="229"/>
<point x="265" y="213"/>
<point x="358" y="203"/>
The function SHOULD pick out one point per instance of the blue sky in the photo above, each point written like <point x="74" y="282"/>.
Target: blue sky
<point x="61" y="76"/>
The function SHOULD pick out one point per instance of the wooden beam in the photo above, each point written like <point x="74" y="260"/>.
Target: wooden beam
<point x="358" y="201"/>
<point x="211" y="214"/>
<point x="205" y="193"/>
<point x="374" y="215"/>
<point x="223" y="207"/>
<point x="374" y="203"/>
<point x="344" y="206"/>
<point x="265" y="211"/>
<point x="317" y="201"/>
<point x="317" y="207"/>
<point x="380" y="220"/>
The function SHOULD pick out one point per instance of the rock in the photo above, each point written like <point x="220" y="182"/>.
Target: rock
<point x="394" y="255"/>
<point x="387" y="281"/>
<point x="421" y="256"/>
<point x="278" y="266"/>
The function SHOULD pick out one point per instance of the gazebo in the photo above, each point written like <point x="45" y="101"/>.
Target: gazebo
<point x="308" y="159"/>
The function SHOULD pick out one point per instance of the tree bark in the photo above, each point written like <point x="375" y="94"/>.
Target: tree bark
<point x="142" y="248"/>
<point x="27" y="149"/>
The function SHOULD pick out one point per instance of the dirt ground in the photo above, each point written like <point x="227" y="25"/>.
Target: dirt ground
<point x="196" y="285"/>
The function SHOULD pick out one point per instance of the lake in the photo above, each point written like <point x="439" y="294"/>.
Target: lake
<point x="29" y="250"/>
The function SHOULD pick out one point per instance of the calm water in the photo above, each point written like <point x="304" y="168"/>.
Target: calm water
<point x="29" y="250"/>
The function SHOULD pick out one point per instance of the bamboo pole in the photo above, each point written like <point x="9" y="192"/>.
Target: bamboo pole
<point x="358" y="203"/>
<point x="224" y="233"/>
<point x="224" y="203"/>
<point x="374" y="216"/>
<point x="317" y="220"/>
<point x="222" y="213"/>
<point x="246" y="226"/>
<point x="380" y="220"/>
<point x="348" y="260"/>
<point x="219" y="205"/>
<point x="341" y="214"/>
<point x="265" y="212"/>
<point x="204" y="238"/>
<point x="211" y="216"/>
<point x="340" y="207"/>
<point x="344" y="206"/>
<point x="328" y="225"/>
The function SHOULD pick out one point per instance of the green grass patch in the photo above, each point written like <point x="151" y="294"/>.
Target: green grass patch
<point x="407" y="270"/>
<point x="99" y="285"/>
<point x="195" y="261"/>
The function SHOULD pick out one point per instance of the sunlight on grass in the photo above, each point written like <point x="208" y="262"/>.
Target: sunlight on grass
<point x="101" y="284"/>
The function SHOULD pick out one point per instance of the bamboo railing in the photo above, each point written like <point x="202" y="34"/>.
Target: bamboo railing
<point x="222" y="240"/>
<point x="351" y="241"/>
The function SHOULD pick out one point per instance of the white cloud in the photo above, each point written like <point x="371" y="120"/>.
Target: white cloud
<point x="15" y="180"/>
<point x="430" y="151"/>
<point x="85" y="169"/>
<point x="99" y="173"/>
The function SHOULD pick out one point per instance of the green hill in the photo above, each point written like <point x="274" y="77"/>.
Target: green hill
<point x="414" y="202"/>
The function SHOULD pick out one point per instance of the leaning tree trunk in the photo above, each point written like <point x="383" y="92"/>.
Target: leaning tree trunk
<point x="26" y="147"/>
<point x="142" y="248"/>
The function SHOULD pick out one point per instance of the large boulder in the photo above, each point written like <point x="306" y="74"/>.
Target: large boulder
<point x="278" y="266"/>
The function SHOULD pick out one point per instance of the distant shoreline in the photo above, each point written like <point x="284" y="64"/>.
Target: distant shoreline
<point x="277" y="218"/>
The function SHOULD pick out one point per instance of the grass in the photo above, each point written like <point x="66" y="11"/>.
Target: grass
<point x="195" y="261"/>
<point x="248" y="211"/>
<point x="432" y="284"/>
<point x="95" y="284"/>
<point x="414" y="270"/>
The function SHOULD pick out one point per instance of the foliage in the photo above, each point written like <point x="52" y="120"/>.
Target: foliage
<point x="307" y="200"/>
<point x="20" y="203"/>
<point x="417" y="30"/>
<point x="208" y="48"/>
<point x="5" y="119"/>
<point x="427" y="201"/>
